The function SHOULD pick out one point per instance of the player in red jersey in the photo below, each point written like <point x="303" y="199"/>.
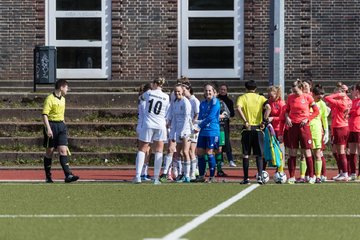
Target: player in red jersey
<point x="297" y="118"/>
<point x="340" y="105"/>
<point x="354" y="127"/>
<point x="277" y="104"/>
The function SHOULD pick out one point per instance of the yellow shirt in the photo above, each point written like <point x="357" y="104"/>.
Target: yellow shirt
<point x="252" y="106"/>
<point x="320" y="121"/>
<point x="54" y="108"/>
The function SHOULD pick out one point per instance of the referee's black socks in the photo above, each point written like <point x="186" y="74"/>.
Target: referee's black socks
<point x="47" y="166"/>
<point x="259" y="164"/>
<point x="65" y="165"/>
<point x="246" y="168"/>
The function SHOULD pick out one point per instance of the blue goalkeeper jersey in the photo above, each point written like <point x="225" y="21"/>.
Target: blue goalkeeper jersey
<point x="209" y="117"/>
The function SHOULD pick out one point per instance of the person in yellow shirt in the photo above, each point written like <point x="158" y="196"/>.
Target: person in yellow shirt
<point x="250" y="107"/>
<point x="319" y="128"/>
<point x="55" y="131"/>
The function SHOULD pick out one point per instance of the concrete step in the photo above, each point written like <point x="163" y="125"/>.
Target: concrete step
<point x="80" y="99"/>
<point x="12" y="129"/>
<point x="76" y="129"/>
<point x="78" y="143"/>
<point x="96" y="158"/>
<point x="77" y="158"/>
<point x="72" y="114"/>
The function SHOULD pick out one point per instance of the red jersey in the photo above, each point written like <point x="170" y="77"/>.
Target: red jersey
<point x="282" y="124"/>
<point x="298" y="107"/>
<point x="340" y="106"/>
<point x="354" y="116"/>
<point x="276" y="107"/>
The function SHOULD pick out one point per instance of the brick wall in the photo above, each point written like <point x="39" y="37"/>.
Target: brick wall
<point x="147" y="33"/>
<point x="322" y="39"/>
<point x="21" y="28"/>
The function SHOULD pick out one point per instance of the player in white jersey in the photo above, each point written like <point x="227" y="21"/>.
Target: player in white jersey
<point x="195" y="108"/>
<point x="172" y="155"/>
<point x="157" y="104"/>
<point x="141" y="111"/>
<point x="181" y="123"/>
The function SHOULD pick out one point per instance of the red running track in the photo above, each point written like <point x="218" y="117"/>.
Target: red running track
<point x="124" y="174"/>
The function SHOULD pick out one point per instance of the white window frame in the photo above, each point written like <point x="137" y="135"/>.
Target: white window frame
<point x="184" y="43"/>
<point x="102" y="73"/>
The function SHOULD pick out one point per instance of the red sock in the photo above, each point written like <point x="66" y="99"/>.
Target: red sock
<point x="310" y="166"/>
<point x="352" y="160"/>
<point x="338" y="163"/>
<point x="292" y="166"/>
<point x="343" y="162"/>
<point x="323" y="169"/>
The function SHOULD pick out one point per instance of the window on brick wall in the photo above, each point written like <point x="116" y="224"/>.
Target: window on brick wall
<point x="211" y="38"/>
<point x="81" y="32"/>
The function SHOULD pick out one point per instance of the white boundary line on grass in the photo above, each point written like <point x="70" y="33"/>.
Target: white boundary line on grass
<point x="95" y="215"/>
<point x="207" y="215"/>
<point x="289" y="215"/>
<point x="178" y="215"/>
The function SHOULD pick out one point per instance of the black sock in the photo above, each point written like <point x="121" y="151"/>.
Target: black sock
<point x="47" y="167"/>
<point x="65" y="165"/>
<point x="246" y="167"/>
<point x="259" y="164"/>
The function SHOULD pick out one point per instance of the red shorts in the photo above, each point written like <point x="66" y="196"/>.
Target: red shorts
<point x="298" y="134"/>
<point x="354" y="137"/>
<point x="340" y="135"/>
<point x="285" y="140"/>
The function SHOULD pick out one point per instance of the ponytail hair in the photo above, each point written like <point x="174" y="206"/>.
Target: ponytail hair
<point x="341" y="87"/>
<point x="160" y="81"/>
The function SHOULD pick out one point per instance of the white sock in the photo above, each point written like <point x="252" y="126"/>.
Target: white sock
<point x="167" y="162"/>
<point x="140" y="159"/>
<point x="193" y="166"/>
<point x="179" y="166"/>
<point x="144" y="169"/>
<point x="174" y="167"/>
<point x="187" y="169"/>
<point x="157" y="164"/>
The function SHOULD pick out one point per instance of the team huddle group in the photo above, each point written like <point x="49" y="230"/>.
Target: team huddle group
<point x="198" y="132"/>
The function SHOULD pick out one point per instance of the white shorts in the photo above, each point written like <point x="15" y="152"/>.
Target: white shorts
<point x="185" y="134"/>
<point x="194" y="137"/>
<point x="179" y="140"/>
<point x="149" y="135"/>
<point x="172" y="134"/>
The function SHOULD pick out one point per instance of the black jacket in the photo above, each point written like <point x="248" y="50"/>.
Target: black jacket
<point x="229" y="103"/>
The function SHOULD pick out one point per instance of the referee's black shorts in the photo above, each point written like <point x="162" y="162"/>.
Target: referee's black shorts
<point x="59" y="138"/>
<point x="252" y="139"/>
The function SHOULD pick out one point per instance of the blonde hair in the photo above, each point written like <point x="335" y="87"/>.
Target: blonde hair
<point x="276" y="89"/>
<point x="160" y="81"/>
<point x="183" y="80"/>
<point x="340" y="87"/>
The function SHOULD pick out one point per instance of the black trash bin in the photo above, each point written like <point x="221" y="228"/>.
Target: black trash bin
<point x="44" y="65"/>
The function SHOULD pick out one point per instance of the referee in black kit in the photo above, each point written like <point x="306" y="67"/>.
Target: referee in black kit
<point x="55" y="131"/>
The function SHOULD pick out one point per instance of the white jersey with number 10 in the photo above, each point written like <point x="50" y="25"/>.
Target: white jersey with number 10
<point x="157" y="105"/>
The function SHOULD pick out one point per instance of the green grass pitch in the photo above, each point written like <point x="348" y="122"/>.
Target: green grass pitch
<point x="127" y="211"/>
